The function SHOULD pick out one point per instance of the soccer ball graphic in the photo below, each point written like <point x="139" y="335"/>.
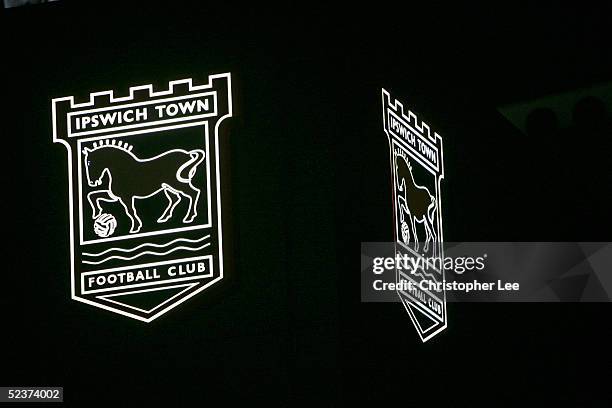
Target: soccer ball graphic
<point x="405" y="233"/>
<point x="105" y="225"/>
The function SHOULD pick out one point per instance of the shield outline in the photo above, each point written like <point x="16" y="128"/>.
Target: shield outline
<point x="420" y="128"/>
<point x="204" y="121"/>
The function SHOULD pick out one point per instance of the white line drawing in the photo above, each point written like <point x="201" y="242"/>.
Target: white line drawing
<point x="81" y="143"/>
<point x="411" y="142"/>
<point x="105" y="225"/>
<point x="145" y="266"/>
<point x="400" y="138"/>
<point x="217" y="84"/>
<point x="130" y="178"/>
<point x="135" y="126"/>
<point x="142" y="285"/>
<point x="129" y="258"/>
<point x="127" y="250"/>
<point x="148" y="311"/>
<point x="416" y="203"/>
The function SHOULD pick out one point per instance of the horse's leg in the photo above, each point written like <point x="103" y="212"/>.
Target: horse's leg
<point x="130" y="210"/>
<point x="432" y="232"/>
<point x="414" y="234"/>
<point x="135" y="228"/>
<point x="170" y="193"/>
<point x="427" y="233"/>
<point x="94" y="198"/>
<point x="193" y="194"/>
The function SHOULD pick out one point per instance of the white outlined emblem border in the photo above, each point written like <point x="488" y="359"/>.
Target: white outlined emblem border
<point x="133" y="130"/>
<point x="395" y="109"/>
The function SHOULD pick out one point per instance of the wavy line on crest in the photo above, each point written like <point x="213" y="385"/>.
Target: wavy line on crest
<point x="146" y="253"/>
<point x="192" y="241"/>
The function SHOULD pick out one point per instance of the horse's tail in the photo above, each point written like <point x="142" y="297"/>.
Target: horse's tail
<point x="186" y="172"/>
<point x="431" y="209"/>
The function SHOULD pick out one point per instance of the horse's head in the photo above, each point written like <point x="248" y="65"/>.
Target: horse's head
<point x="403" y="170"/>
<point x="93" y="168"/>
<point x="100" y="158"/>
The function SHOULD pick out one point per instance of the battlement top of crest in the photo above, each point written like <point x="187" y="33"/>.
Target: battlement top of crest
<point x="411" y="118"/>
<point x="135" y="94"/>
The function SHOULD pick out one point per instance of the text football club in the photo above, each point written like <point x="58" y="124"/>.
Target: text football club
<point x="144" y="186"/>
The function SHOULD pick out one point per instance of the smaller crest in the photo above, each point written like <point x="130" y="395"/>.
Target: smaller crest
<point x="416" y="159"/>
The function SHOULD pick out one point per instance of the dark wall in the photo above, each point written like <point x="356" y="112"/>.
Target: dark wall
<point x="309" y="181"/>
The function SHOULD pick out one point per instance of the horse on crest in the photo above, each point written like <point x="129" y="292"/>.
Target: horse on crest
<point x="131" y="178"/>
<point x="416" y="202"/>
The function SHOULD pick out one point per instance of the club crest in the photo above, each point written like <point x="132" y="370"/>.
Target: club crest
<point x="417" y="166"/>
<point x="144" y="194"/>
